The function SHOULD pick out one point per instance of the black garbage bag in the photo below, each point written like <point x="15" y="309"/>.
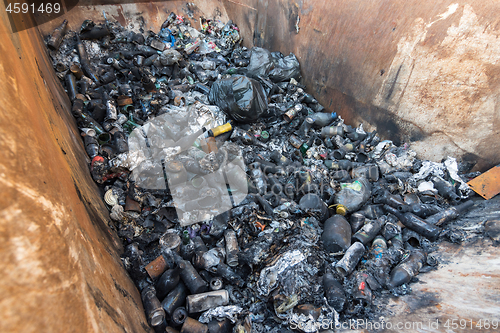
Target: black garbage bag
<point x="273" y="65"/>
<point x="261" y="63"/>
<point x="240" y="97"/>
<point x="285" y="68"/>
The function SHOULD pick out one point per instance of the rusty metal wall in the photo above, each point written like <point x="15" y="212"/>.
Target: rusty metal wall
<point x="60" y="271"/>
<point x="423" y="72"/>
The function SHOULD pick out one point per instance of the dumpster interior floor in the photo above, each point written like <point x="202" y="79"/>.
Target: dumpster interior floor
<point x="464" y="290"/>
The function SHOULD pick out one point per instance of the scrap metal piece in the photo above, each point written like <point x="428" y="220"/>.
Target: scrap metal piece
<point x="488" y="184"/>
<point x="269" y="276"/>
<point x="230" y="312"/>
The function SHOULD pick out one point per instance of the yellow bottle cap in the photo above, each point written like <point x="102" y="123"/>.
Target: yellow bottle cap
<point x="341" y="210"/>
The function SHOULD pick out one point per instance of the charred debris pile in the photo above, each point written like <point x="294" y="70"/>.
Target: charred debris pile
<point x="242" y="203"/>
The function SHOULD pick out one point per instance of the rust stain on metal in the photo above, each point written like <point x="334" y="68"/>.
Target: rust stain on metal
<point x="487" y="185"/>
<point x="156" y="267"/>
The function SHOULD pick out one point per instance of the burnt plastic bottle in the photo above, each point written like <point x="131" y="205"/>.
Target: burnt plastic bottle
<point x="370" y="172"/>
<point x="411" y="198"/>
<point x="77" y="108"/>
<point x="193" y="326"/>
<point x="306" y="182"/>
<point x="199" y="245"/>
<point x="229" y="275"/>
<point x="323" y="119"/>
<point x="329" y="131"/>
<point x="350" y="259"/>
<point x="334" y="292"/>
<point x="209" y="259"/>
<point x="407" y="269"/>
<point x="312" y="203"/>
<point x="121" y="142"/>
<point x="107" y="76"/>
<point x="355" y="135"/>
<point x="379" y="246"/>
<point x="397" y="246"/>
<point x="274" y="185"/>
<point x="361" y="156"/>
<point x="167" y="282"/>
<point x="205" y="275"/>
<point x="368" y="232"/>
<point x="231" y="248"/>
<point x="77" y="72"/>
<point x="446" y="190"/>
<point x="372" y="212"/>
<point x="424" y="210"/>
<point x="415" y="223"/>
<point x="201" y="302"/>
<point x="357" y="222"/>
<point x="111" y="112"/>
<point x="336" y="235"/>
<point x="411" y="237"/>
<point x="170" y="242"/>
<point x="84" y="61"/>
<point x="191" y="278"/>
<point x="295" y="141"/>
<point x="339" y="154"/>
<point x="362" y="294"/>
<point x="95" y="32"/>
<point x="390" y="229"/>
<point x="216" y="283"/>
<point x="269" y="167"/>
<point x="257" y="250"/>
<point x="71" y="85"/>
<point x="340" y="165"/>
<point x="91" y="146"/>
<point x="169" y="329"/>
<point x="354" y="194"/>
<point x="306" y="145"/>
<point x="57" y="35"/>
<point x="258" y="178"/>
<point x="306" y="126"/>
<point x="392" y="200"/>
<point x="85" y="85"/>
<point x="99" y="112"/>
<point x="264" y="204"/>
<point x="289" y="190"/>
<point x="176" y="298"/>
<point x="449" y="214"/>
<point x="279" y="159"/>
<point x="152" y="306"/>
<point x="179" y="316"/>
<point x="341" y="176"/>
